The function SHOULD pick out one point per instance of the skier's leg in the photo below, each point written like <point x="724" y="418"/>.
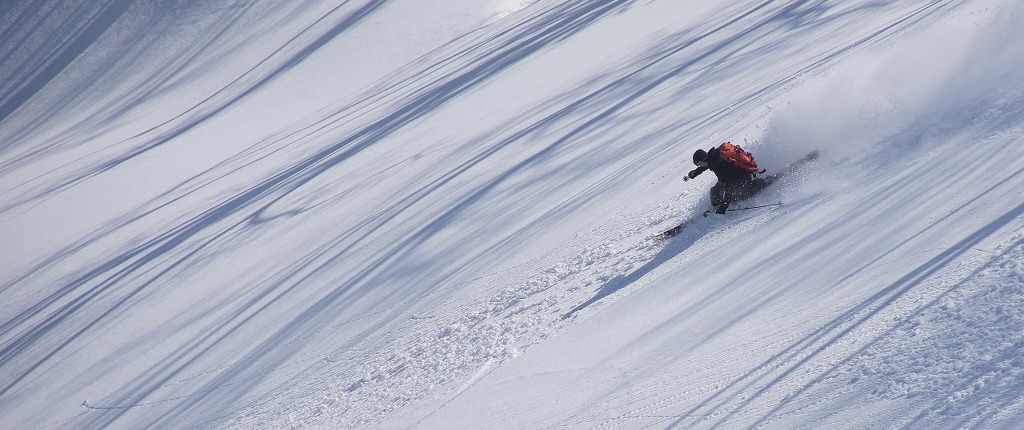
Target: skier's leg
<point x="718" y="194"/>
<point x="755" y="186"/>
<point x="746" y="189"/>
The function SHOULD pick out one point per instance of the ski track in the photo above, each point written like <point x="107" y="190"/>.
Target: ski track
<point x="463" y="340"/>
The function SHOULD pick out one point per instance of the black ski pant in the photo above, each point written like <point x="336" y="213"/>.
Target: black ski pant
<point x="730" y="192"/>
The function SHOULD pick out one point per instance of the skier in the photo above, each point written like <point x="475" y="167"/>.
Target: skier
<point x="736" y="170"/>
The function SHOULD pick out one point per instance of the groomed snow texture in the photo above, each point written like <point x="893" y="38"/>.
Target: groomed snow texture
<point x="439" y="214"/>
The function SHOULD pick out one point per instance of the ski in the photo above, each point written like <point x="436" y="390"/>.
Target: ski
<point x="672" y="231"/>
<point x="792" y="167"/>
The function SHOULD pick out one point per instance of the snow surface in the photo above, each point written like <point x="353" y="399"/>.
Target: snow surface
<point x="438" y="214"/>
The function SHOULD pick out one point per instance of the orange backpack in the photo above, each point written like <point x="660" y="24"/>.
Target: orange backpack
<point x="736" y="156"/>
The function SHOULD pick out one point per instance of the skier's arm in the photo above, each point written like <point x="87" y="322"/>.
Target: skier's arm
<point x="695" y="172"/>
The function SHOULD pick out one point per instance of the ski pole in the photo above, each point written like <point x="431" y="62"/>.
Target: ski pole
<point x="755" y="207"/>
<point x="708" y="212"/>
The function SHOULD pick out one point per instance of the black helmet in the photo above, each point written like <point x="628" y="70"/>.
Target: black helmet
<point x="699" y="155"/>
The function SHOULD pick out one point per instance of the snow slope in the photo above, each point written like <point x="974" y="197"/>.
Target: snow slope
<point x="438" y="214"/>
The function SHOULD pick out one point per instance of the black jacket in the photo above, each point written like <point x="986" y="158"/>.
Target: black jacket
<point x="726" y="172"/>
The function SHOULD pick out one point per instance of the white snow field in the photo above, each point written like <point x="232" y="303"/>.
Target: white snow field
<point x="439" y="214"/>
